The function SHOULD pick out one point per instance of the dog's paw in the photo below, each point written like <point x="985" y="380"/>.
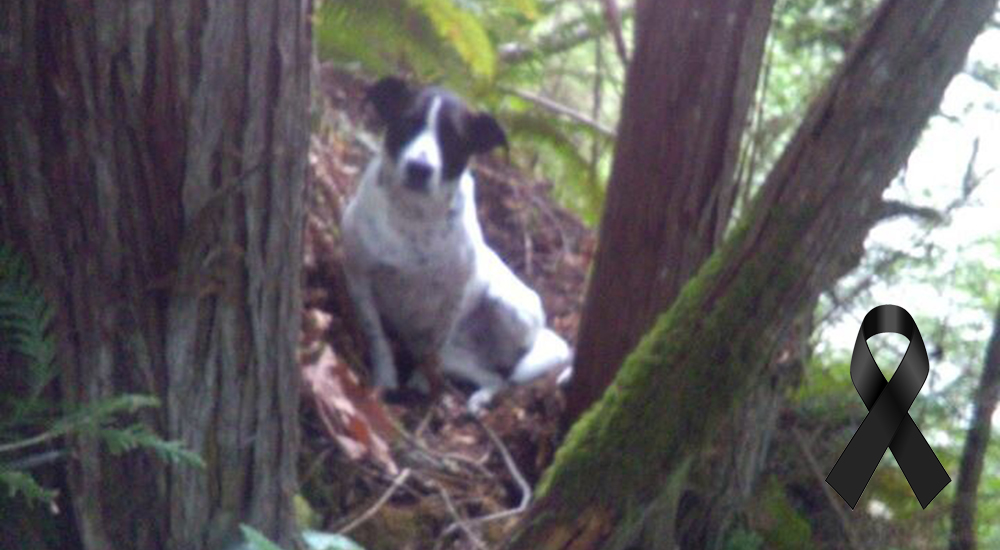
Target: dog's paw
<point x="564" y="377"/>
<point x="480" y="400"/>
<point x="385" y="375"/>
<point x="418" y="382"/>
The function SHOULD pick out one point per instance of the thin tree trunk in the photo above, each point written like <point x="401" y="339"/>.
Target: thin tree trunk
<point x="152" y="167"/>
<point x="963" y="512"/>
<point x="688" y="92"/>
<point x="811" y="216"/>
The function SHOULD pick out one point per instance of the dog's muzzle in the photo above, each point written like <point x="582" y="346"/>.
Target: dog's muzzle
<point x="418" y="175"/>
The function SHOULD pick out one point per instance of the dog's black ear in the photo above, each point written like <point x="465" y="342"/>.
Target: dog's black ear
<point x="485" y="133"/>
<point x="389" y="96"/>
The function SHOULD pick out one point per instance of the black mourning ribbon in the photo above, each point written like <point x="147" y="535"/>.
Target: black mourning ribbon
<point x="888" y="424"/>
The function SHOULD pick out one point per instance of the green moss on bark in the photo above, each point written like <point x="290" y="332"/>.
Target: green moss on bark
<point x="692" y="367"/>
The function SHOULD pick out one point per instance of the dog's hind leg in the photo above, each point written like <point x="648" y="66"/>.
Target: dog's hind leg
<point x="462" y="363"/>
<point x="549" y="352"/>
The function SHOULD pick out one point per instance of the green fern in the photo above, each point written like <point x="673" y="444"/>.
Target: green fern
<point x="139" y="436"/>
<point x="575" y="185"/>
<point x="29" y="420"/>
<point x="25" y="317"/>
<point x="463" y="32"/>
<point x="20" y="483"/>
<point x="435" y="39"/>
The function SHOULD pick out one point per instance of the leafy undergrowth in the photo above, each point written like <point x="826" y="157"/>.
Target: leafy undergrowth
<point x="423" y="473"/>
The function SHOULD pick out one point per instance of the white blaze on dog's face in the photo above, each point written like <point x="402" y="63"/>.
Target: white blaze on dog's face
<point x="430" y="136"/>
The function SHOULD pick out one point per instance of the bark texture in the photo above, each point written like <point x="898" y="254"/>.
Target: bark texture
<point x="152" y="167"/>
<point x="688" y="92"/>
<point x="724" y="481"/>
<point x="811" y="217"/>
<point x="977" y="440"/>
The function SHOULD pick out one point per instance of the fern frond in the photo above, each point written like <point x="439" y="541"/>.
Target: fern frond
<point x="99" y="413"/>
<point x="139" y="436"/>
<point x="22" y="483"/>
<point x="574" y="185"/>
<point x="463" y="32"/>
<point x="527" y="8"/>
<point x="436" y="40"/>
<point x="25" y="317"/>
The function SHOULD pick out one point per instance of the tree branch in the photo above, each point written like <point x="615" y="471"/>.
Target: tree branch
<point x="892" y="209"/>
<point x="560" y="109"/>
<point x="977" y="441"/>
<point x="564" y="38"/>
<point x="614" y="19"/>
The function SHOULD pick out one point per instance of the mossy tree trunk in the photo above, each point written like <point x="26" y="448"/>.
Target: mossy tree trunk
<point x="977" y="440"/>
<point x="627" y="456"/>
<point x="689" y="88"/>
<point x="688" y="187"/>
<point x="152" y="167"/>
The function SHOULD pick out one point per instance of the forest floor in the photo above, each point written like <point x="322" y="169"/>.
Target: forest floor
<point x="421" y="472"/>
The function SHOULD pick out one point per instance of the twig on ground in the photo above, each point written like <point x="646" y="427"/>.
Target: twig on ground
<point x="424" y="422"/>
<point x="442" y="460"/>
<point x="514" y="472"/>
<point x="511" y="466"/>
<point x="460" y="523"/>
<point x="400" y="479"/>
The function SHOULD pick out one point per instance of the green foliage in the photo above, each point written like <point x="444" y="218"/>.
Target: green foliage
<point x="25" y="485"/>
<point x="790" y="530"/>
<point x="24" y="320"/>
<point x="580" y="188"/>
<point x="435" y="39"/>
<point x="807" y="40"/>
<point x="135" y="436"/>
<point x="743" y="539"/>
<point x="30" y="421"/>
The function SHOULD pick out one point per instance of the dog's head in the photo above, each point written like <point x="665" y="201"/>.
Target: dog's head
<point x="430" y="136"/>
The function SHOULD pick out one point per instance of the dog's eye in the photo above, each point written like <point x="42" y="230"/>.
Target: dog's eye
<point x="402" y="132"/>
<point x="454" y="150"/>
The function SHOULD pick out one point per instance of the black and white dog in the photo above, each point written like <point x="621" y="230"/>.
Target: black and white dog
<point x="417" y="265"/>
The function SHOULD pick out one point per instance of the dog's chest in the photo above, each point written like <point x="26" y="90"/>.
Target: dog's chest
<point x="418" y="281"/>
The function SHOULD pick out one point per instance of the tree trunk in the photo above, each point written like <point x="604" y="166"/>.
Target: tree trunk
<point x="152" y="169"/>
<point x="696" y="179"/>
<point x="811" y="216"/>
<point x="688" y="91"/>
<point x="963" y="512"/>
<point x="724" y="479"/>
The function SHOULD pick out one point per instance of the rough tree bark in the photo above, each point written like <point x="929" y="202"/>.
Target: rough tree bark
<point x="963" y="511"/>
<point x="724" y="479"/>
<point x="689" y="185"/>
<point x="689" y="87"/>
<point x="152" y="168"/>
<point x="812" y="214"/>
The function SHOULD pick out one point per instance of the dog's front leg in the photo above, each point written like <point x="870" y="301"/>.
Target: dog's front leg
<point x="379" y="351"/>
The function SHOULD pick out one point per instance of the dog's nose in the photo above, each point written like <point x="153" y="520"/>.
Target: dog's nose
<point x="418" y="175"/>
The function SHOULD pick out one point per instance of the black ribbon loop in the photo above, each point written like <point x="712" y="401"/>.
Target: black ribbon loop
<point x="888" y="423"/>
